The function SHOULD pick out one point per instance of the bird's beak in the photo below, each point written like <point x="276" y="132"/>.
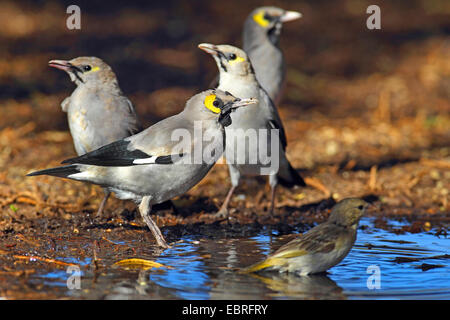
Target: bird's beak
<point x="290" y="16"/>
<point x="61" y="65"/>
<point x="225" y="118"/>
<point x="243" y="102"/>
<point x="232" y="105"/>
<point x="209" y="48"/>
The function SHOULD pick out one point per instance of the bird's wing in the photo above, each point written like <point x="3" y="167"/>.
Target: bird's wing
<point x="118" y="114"/>
<point x="320" y="239"/>
<point x="151" y="146"/>
<point x="106" y="117"/>
<point x="274" y="120"/>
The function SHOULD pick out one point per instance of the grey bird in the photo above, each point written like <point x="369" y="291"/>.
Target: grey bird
<point x="322" y="247"/>
<point x="237" y="76"/>
<point x="97" y="111"/>
<point x="163" y="161"/>
<point x="261" y="36"/>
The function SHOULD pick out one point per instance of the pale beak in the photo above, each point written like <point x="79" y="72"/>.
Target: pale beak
<point x="290" y="16"/>
<point x="209" y="48"/>
<point x="61" y="65"/>
<point x="244" y="102"/>
<point x="231" y="106"/>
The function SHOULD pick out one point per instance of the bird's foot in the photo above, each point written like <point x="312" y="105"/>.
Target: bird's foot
<point x="221" y="214"/>
<point x="162" y="243"/>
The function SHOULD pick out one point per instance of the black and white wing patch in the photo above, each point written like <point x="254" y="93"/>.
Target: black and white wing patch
<point x="117" y="154"/>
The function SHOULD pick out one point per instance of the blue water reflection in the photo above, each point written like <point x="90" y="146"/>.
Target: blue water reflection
<point x="411" y="266"/>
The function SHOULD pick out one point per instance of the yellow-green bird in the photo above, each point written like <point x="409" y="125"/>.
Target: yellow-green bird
<point x="323" y="247"/>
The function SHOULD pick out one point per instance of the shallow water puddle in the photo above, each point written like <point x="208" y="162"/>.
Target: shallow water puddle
<point x="382" y="265"/>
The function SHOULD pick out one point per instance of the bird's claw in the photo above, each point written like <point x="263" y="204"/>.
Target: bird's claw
<point x="221" y="214"/>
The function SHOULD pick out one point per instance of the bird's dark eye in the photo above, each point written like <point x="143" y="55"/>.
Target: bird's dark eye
<point x="216" y="103"/>
<point x="232" y="56"/>
<point x="267" y="17"/>
<point x="87" y="68"/>
<point x="360" y="207"/>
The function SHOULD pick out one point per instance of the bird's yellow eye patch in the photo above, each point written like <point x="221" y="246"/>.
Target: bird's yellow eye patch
<point x="259" y="19"/>
<point x="209" y="100"/>
<point x="238" y="59"/>
<point x="95" y="69"/>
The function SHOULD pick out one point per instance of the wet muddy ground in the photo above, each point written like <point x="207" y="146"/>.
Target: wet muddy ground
<point x="203" y="265"/>
<point x="367" y="114"/>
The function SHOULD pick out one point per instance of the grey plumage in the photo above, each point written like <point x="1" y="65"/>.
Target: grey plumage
<point x="261" y="36"/>
<point x="154" y="165"/>
<point x="97" y="111"/>
<point x="237" y="77"/>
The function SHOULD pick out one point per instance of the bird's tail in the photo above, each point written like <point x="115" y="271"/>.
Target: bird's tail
<point x="63" y="171"/>
<point x="288" y="177"/>
<point x="268" y="263"/>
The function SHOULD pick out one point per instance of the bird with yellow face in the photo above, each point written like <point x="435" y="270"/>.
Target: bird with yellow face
<point x="260" y="121"/>
<point x="147" y="167"/>
<point x="261" y="42"/>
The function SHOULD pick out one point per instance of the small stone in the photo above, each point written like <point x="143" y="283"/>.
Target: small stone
<point x="331" y="148"/>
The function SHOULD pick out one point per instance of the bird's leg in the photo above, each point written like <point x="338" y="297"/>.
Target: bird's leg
<point x="273" y="182"/>
<point x="103" y="203"/>
<point x="272" y="199"/>
<point x="235" y="176"/>
<point x="223" y="212"/>
<point x="144" y="209"/>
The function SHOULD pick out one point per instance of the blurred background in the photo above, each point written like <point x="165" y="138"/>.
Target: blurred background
<point x="334" y="62"/>
<point x="366" y="111"/>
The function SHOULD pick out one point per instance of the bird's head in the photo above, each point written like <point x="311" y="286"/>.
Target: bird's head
<point x="230" y="60"/>
<point x="348" y="212"/>
<point x="84" y="70"/>
<point x="215" y="104"/>
<point x="269" y="20"/>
